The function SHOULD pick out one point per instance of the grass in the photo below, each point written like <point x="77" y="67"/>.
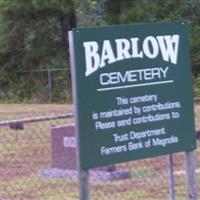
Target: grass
<point x="138" y="173"/>
<point x="25" y="152"/>
<point x="35" y="188"/>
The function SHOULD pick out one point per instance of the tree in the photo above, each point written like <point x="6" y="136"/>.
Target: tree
<point x="34" y="34"/>
<point x="137" y="11"/>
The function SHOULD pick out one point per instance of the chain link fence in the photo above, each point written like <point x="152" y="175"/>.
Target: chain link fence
<point x="26" y="151"/>
<point x="38" y="85"/>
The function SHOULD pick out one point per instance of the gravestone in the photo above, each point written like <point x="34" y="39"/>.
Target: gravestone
<point x="63" y="147"/>
<point x="64" y="158"/>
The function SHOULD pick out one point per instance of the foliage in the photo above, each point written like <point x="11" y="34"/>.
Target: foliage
<point x="34" y="35"/>
<point x="197" y="86"/>
<point x="90" y="12"/>
<point x="135" y="11"/>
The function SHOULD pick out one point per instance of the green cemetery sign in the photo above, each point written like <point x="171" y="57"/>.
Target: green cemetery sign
<point x="133" y="92"/>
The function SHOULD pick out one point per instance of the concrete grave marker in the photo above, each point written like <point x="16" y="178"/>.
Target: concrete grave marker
<point x="63" y="147"/>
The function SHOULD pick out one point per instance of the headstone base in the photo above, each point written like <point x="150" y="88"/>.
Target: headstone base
<point x="64" y="158"/>
<point x="95" y="175"/>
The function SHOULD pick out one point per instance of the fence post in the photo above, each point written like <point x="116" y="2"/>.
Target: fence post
<point x="190" y="176"/>
<point x="49" y="83"/>
<point x="171" y="176"/>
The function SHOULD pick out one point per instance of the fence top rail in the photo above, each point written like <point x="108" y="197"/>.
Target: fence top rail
<point x="43" y="70"/>
<point x="50" y="117"/>
<point x="37" y="119"/>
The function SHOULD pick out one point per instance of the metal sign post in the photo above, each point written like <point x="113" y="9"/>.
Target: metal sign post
<point x="190" y="176"/>
<point x="83" y="175"/>
<point x="171" y="176"/>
